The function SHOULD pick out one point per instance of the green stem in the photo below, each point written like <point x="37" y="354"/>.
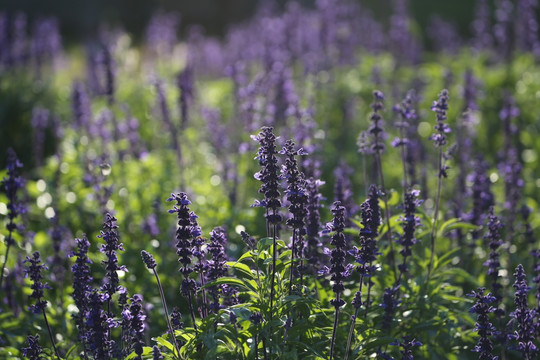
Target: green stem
<point x="171" y="331"/>
<point x="435" y="215"/>
<point x="334" y="330"/>
<point x="50" y="333"/>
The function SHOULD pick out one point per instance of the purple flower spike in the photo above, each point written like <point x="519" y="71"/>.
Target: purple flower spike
<point x="484" y="328"/>
<point x="81" y="282"/>
<point x="33" y="351"/>
<point x="406" y="345"/>
<point x="269" y="175"/>
<point x="112" y="245"/>
<point x="34" y="273"/>
<point x="440" y="107"/>
<point x="376" y="128"/>
<point x="494" y="238"/>
<point x="339" y="270"/>
<point x="183" y="232"/>
<point x="524" y="317"/>
<point x="409" y="223"/>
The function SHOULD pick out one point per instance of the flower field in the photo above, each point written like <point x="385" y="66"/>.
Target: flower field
<point x="319" y="183"/>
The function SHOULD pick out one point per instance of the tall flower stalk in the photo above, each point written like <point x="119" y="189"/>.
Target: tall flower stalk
<point x="297" y="196"/>
<point x="184" y="248"/>
<point x="524" y="317"/>
<point x="112" y="245"/>
<point x="407" y="114"/>
<point x="151" y="264"/>
<point x="81" y="286"/>
<point x="365" y="255"/>
<point x="377" y="131"/>
<point x="338" y="270"/>
<point x="409" y="223"/>
<point x="440" y="107"/>
<point x="484" y="328"/>
<point x="11" y="185"/>
<point x="269" y="176"/>
<point x="201" y="266"/>
<point x="217" y="266"/>
<point x="493" y="264"/>
<point x="34" y="272"/>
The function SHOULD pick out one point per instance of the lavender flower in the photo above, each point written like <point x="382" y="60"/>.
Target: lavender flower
<point x="184" y="245"/>
<point x="133" y="325"/>
<point x="108" y="66"/>
<point x="112" y="245"/>
<point x="201" y="266"/>
<point x="185" y="84"/>
<point x="444" y="35"/>
<point x="46" y="42"/>
<point x="526" y="26"/>
<point x="502" y="30"/>
<point x="270" y="183"/>
<point x="343" y="191"/>
<point x="183" y="232"/>
<point x="249" y="240"/>
<point x="407" y="115"/>
<point x="440" y="107"/>
<point x="403" y="45"/>
<point x="409" y="223"/>
<point x="176" y="319"/>
<point x="368" y="251"/>
<point x="481" y="26"/>
<point x="40" y="120"/>
<point x="481" y="194"/>
<point x="161" y="33"/>
<point x="148" y="260"/>
<point x="98" y="325"/>
<point x="33" y="351"/>
<point x="368" y="233"/>
<point x="390" y="303"/>
<point x="11" y="185"/>
<point x="511" y="170"/>
<point x="363" y="142"/>
<point x="81" y="283"/>
<point x="268" y="176"/>
<point x="484" y="328"/>
<point x="297" y="197"/>
<point x="156" y="353"/>
<point x="366" y="255"/>
<point x="166" y="118"/>
<point x="217" y="265"/>
<point x="256" y="318"/>
<point x="523" y="316"/>
<point x="376" y="128"/>
<point x="339" y="270"/>
<point x="493" y="263"/>
<point x="406" y="344"/>
<point x="34" y="272"/>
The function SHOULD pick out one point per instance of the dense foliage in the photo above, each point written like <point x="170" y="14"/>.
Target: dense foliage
<point x="314" y="186"/>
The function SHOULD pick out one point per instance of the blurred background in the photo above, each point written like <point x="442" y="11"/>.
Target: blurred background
<point x="81" y="19"/>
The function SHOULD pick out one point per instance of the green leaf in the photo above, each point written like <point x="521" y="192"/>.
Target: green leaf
<point x="163" y="342"/>
<point x="71" y="349"/>
<point x="227" y="281"/>
<point x="243" y="268"/>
